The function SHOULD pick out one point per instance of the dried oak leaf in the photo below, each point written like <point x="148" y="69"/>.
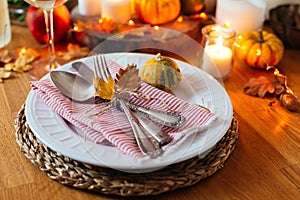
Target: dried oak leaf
<point x="128" y="78"/>
<point x="105" y="90"/>
<point x="262" y="85"/>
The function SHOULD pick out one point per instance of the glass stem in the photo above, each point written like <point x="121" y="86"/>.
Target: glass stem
<point x="48" y="13"/>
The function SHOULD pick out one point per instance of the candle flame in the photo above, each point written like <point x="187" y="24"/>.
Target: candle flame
<point x="75" y="28"/>
<point x="100" y="20"/>
<point x="203" y="15"/>
<point x="156" y="28"/>
<point x="227" y="24"/>
<point x="180" y="19"/>
<point x="131" y="22"/>
<point x="23" y="51"/>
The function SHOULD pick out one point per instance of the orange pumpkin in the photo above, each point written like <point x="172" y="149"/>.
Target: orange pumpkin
<point x="157" y="12"/>
<point x="259" y="49"/>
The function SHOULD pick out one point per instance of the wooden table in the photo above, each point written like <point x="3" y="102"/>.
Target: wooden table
<point x="264" y="165"/>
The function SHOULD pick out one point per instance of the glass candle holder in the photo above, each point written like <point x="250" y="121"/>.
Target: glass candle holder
<point x="218" y="53"/>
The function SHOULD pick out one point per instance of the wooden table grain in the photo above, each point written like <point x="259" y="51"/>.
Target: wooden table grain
<point x="264" y="165"/>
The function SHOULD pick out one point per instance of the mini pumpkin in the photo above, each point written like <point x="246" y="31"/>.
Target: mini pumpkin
<point x="259" y="49"/>
<point x="161" y="72"/>
<point x="157" y="11"/>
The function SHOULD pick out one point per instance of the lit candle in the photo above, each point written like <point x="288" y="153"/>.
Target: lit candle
<point x="89" y="7"/>
<point x="117" y="10"/>
<point x="131" y="23"/>
<point x="217" y="59"/>
<point x="22" y="51"/>
<point x="243" y="15"/>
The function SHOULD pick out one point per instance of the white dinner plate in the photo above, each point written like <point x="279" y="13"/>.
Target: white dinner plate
<point x="195" y="87"/>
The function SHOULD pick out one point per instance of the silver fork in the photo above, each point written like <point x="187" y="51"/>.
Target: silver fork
<point x="147" y="144"/>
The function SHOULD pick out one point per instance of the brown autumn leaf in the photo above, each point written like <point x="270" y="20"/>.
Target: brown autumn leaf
<point x="105" y="90"/>
<point x="74" y="51"/>
<point x="4" y="74"/>
<point x="28" y="55"/>
<point x="262" y="85"/>
<point x="128" y="78"/>
<point x="4" y="56"/>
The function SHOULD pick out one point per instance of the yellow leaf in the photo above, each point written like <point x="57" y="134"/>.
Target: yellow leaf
<point x="27" y="55"/>
<point x="9" y="66"/>
<point x="27" y="68"/>
<point x="18" y="69"/>
<point x="105" y="90"/>
<point x="20" y="62"/>
<point x="31" y="55"/>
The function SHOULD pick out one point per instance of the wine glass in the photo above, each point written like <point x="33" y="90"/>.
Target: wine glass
<point x="48" y="7"/>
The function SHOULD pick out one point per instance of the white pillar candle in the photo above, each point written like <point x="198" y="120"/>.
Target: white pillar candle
<point x="89" y="7"/>
<point x="117" y="10"/>
<point x="217" y="60"/>
<point x="5" y="30"/>
<point x="242" y="15"/>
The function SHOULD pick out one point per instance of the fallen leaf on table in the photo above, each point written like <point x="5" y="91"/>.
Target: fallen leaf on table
<point x="27" y="55"/>
<point x="262" y="85"/>
<point x="4" y="74"/>
<point x="74" y="51"/>
<point x="22" y="63"/>
<point x="4" y="56"/>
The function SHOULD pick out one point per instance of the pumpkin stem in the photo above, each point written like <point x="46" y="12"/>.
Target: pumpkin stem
<point x="261" y="37"/>
<point x="158" y="57"/>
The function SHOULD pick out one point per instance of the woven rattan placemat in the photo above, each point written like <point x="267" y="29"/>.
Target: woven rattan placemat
<point x="110" y="181"/>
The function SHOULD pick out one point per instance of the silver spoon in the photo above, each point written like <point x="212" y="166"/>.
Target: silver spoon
<point x="72" y="85"/>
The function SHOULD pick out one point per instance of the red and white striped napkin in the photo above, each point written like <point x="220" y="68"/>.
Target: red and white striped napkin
<point x="112" y="127"/>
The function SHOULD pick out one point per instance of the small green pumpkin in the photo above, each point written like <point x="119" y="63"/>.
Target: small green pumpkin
<point x="161" y="72"/>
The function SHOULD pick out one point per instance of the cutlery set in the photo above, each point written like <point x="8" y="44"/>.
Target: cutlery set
<point x="149" y="136"/>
